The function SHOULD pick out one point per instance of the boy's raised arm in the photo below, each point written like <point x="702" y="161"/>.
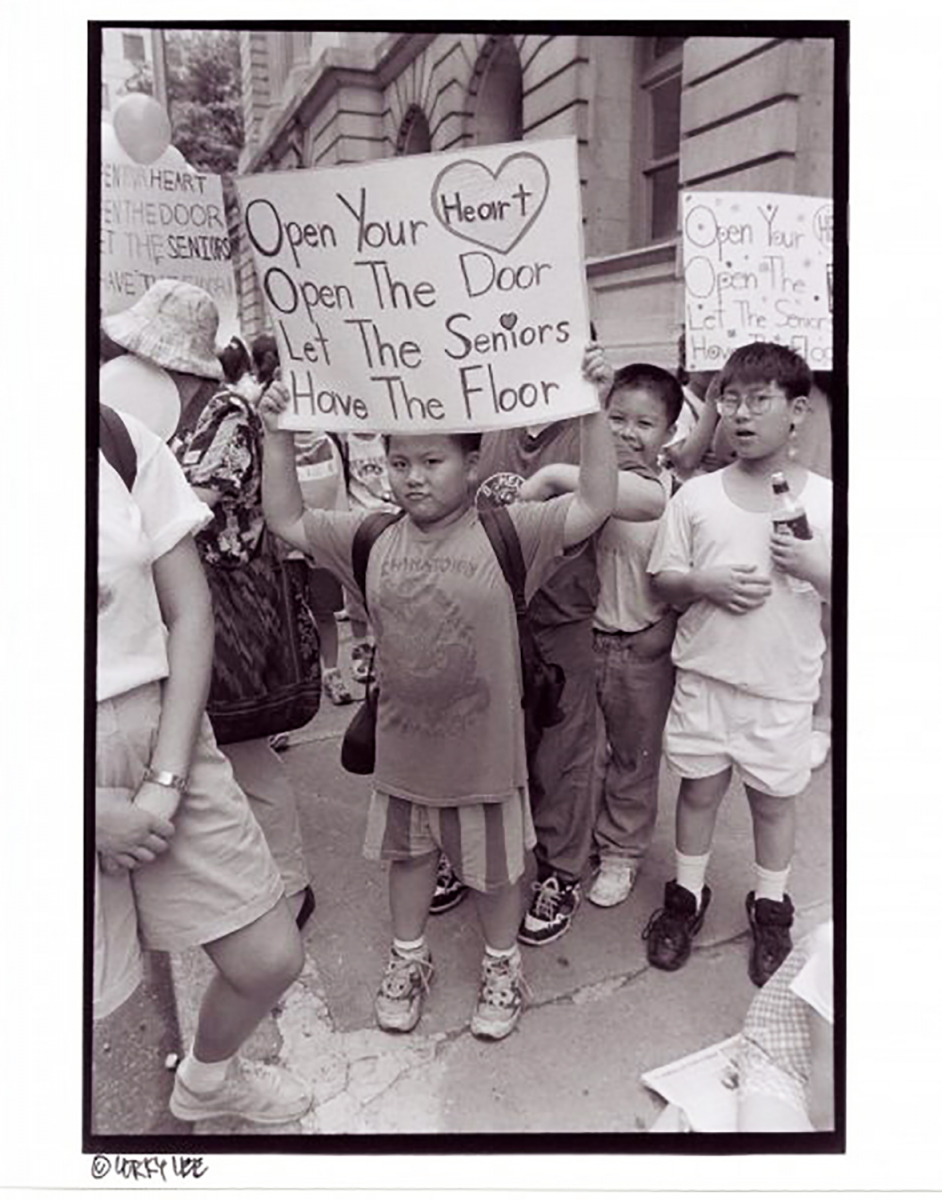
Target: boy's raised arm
<point x="282" y="502"/>
<point x="638" y="498"/>
<point x="594" y="500"/>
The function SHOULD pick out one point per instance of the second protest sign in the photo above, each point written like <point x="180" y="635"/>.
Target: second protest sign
<point x="441" y="292"/>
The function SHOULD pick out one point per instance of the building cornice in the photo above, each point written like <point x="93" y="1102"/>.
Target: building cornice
<point x="336" y="67"/>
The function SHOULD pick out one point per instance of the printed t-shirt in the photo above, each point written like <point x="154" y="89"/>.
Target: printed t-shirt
<point x="508" y="457"/>
<point x="627" y="603"/>
<point x="369" y="478"/>
<point x="134" y="530"/>
<point x="774" y="650"/>
<point x="450" y="723"/>
<point x="223" y="452"/>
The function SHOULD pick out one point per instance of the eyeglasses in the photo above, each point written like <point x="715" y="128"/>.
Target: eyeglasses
<point x="757" y="406"/>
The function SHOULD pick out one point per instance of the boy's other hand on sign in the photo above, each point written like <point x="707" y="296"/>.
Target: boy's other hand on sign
<point x="597" y="369"/>
<point x="273" y="403"/>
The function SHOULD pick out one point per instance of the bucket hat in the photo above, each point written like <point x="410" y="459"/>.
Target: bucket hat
<point x="173" y="325"/>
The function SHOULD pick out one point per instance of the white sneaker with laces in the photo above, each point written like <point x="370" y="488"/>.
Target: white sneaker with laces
<point x="500" y="997"/>
<point x="613" y="883"/>
<point x="260" y="1092"/>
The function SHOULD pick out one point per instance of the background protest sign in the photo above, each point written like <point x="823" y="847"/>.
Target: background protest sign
<point x="757" y="267"/>
<point x="162" y="222"/>
<point x="440" y="292"/>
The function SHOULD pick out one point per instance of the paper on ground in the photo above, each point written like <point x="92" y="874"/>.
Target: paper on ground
<point x="704" y="1085"/>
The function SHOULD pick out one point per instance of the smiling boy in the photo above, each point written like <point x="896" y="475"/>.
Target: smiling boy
<point x="748" y="651"/>
<point x="451" y="767"/>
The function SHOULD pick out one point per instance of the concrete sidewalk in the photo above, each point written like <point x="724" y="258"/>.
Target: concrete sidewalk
<point x="599" y="1016"/>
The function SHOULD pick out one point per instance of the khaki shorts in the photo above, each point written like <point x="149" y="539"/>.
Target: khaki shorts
<point x="216" y="877"/>
<point x="485" y="843"/>
<point x="713" y="725"/>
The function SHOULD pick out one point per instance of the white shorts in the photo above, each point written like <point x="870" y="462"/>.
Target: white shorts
<point x="713" y="725"/>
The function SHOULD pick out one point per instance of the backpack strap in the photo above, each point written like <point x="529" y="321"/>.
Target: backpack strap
<point x="502" y="534"/>
<point x="367" y="532"/>
<point x="116" y="445"/>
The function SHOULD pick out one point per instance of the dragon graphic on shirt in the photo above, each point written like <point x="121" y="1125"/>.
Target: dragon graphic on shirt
<point x="429" y="660"/>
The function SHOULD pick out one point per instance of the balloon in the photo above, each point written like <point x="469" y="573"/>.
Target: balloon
<point x="145" y="391"/>
<point x="110" y="146"/>
<point x="142" y="127"/>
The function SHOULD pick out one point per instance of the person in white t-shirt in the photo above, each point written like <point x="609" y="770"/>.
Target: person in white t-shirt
<point x="748" y="651"/>
<point x="180" y="861"/>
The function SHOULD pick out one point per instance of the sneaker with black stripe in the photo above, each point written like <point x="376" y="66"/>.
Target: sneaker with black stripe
<point x="551" y="910"/>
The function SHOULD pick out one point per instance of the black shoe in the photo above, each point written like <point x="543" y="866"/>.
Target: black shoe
<point x="307" y="907"/>
<point x="770" y="922"/>
<point x="449" y="890"/>
<point x="551" y="910"/>
<point x="671" y="929"/>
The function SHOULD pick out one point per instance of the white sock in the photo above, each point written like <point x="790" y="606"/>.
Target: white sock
<point x="691" y="872"/>
<point x="203" y="1077"/>
<point x="492" y="953"/>
<point x="416" y="949"/>
<point x="770" y="885"/>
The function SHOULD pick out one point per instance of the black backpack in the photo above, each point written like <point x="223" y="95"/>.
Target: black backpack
<point x="543" y="682"/>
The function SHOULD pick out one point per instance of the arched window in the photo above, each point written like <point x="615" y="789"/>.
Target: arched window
<point x="498" y="90"/>
<point x="415" y="137"/>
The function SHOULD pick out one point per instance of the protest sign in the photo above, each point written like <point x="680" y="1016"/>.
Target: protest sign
<point x="162" y="222"/>
<point x="757" y="268"/>
<point x="439" y="292"/>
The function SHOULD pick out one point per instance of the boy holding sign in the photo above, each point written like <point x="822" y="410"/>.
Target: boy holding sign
<point x="451" y="767"/>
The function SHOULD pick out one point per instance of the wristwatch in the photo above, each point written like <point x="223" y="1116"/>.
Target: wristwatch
<point x="166" y="779"/>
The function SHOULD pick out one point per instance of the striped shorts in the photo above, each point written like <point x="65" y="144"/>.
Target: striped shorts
<point x="485" y="843"/>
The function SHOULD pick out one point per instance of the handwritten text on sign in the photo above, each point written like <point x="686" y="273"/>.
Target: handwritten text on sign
<point x="757" y="268"/>
<point x="437" y="292"/>
<point x="164" y="223"/>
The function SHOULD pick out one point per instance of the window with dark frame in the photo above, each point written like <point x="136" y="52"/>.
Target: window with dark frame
<point x="134" y="47"/>
<point x="660" y="82"/>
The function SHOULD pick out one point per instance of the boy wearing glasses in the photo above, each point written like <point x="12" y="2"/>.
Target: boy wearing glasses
<point x="747" y="651"/>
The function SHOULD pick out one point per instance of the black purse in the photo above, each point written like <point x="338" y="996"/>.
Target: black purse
<point x="358" y="748"/>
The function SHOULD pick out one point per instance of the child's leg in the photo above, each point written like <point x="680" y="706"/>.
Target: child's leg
<point x="499" y="913"/>
<point x="330" y="641"/>
<point x="773" y="828"/>
<point x="697" y="806"/>
<point x="769" y="909"/>
<point x="254" y="966"/>
<point x="411" y="883"/>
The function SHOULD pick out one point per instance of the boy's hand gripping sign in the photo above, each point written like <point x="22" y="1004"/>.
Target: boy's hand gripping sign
<point x="435" y="293"/>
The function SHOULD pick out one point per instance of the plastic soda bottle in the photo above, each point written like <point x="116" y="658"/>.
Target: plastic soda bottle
<point x="789" y="514"/>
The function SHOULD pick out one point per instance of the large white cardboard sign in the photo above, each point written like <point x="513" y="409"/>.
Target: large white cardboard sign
<point x="757" y="268"/>
<point x="164" y="223"/>
<point x="440" y="292"/>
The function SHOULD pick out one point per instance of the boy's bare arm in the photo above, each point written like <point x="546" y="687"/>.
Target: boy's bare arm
<point x="638" y="499"/>
<point x="737" y="588"/>
<point x="594" y="500"/>
<point x="282" y="502"/>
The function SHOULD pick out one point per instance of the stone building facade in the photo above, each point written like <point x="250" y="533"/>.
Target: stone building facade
<point x="652" y="116"/>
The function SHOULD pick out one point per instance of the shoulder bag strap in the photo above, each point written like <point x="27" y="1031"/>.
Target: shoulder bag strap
<point x="502" y="534"/>
<point x="116" y="444"/>
<point x="367" y="532"/>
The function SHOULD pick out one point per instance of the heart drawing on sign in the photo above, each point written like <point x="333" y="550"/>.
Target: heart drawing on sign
<point x="491" y="208"/>
<point x="508" y="320"/>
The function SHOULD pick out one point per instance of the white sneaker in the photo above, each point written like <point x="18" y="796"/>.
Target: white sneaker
<point x="268" y="1095"/>
<point x="613" y="883"/>
<point x="820" y="748"/>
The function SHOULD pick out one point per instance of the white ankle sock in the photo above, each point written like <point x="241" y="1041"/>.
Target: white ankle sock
<point x="691" y="872"/>
<point x="492" y="953"/>
<point x="203" y="1077"/>
<point x="770" y="885"/>
<point x="416" y="949"/>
